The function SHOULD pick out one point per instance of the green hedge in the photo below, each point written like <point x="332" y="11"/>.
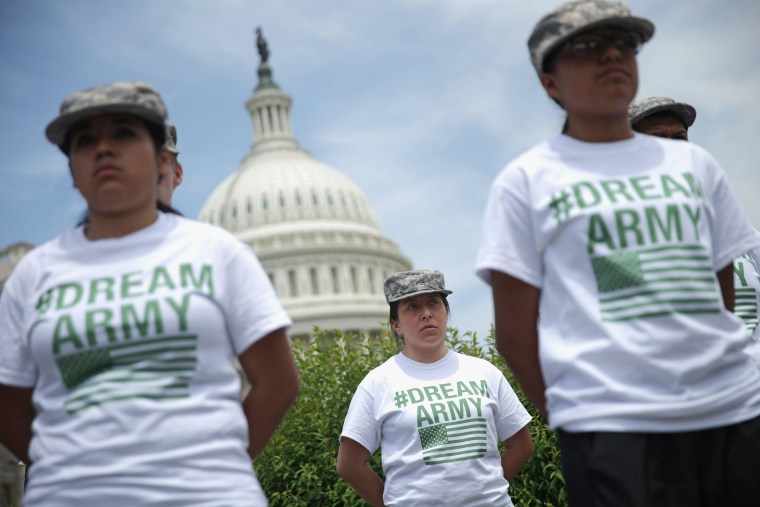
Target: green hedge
<point x="297" y="468"/>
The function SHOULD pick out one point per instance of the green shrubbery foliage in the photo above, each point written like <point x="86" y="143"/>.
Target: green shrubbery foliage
<point x="298" y="466"/>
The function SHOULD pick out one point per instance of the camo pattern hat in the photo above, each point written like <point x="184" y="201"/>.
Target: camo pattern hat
<point x="406" y="284"/>
<point x="171" y="138"/>
<point x="640" y="109"/>
<point x="136" y="98"/>
<point x="571" y="18"/>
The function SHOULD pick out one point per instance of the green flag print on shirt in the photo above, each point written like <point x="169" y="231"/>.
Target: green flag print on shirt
<point x="658" y="281"/>
<point x="454" y="441"/>
<point x="745" y="307"/>
<point x="157" y="368"/>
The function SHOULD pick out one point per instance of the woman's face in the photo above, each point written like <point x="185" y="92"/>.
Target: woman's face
<point x="114" y="163"/>
<point x="422" y="322"/>
<point x="595" y="74"/>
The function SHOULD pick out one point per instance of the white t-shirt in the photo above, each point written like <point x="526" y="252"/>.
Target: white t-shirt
<point x="438" y="427"/>
<point x="747" y="289"/>
<point x="624" y="239"/>
<point x="128" y="344"/>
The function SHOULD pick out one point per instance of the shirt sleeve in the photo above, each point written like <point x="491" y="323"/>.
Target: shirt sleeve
<point x="17" y="366"/>
<point x="508" y="240"/>
<point x="360" y="424"/>
<point x="731" y="231"/>
<point x="512" y="414"/>
<point x="251" y="304"/>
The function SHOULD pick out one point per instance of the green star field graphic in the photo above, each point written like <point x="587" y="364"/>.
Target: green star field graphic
<point x="657" y="281"/>
<point x="156" y="368"/>
<point x="454" y="441"/>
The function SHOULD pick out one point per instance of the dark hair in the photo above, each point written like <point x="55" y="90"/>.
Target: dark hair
<point x="394" y="316"/>
<point x="156" y="132"/>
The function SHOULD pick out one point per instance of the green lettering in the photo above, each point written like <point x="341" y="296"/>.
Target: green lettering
<point x="463" y="389"/>
<point x="693" y="214"/>
<point x="672" y="223"/>
<point x="415" y="395"/>
<point x="128" y="282"/>
<point x="476" y="403"/>
<point x="130" y="319"/>
<point x="584" y="191"/>
<point x="615" y="188"/>
<point x="739" y="271"/>
<point x="205" y="278"/>
<point x="642" y="185"/>
<point x="64" y="333"/>
<point x="181" y="311"/>
<point x="671" y="187"/>
<point x="627" y="220"/>
<point x="481" y="389"/>
<point x="95" y="319"/>
<point x="160" y="279"/>
<point x="447" y="391"/>
<point x="439" y="409"/>
<point x="459" y="408"/>
<point x="69" y="294"/>
<point x="598" y="233"/>
<point x="106" y="289"/>
<point x="422" y="415"/>
<point x="695" y="186"/>
<point x="432" y="393"/>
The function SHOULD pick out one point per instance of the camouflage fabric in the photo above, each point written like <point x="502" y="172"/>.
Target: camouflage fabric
<point x="171" y="138"/>
<point x="412" y="283"/>
<point x="640" y="109"/>
<point x="571" y="18"/>
<point x="136" y="98"/>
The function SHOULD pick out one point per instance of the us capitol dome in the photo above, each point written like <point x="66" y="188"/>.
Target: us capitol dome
<point x="311" y="227"/>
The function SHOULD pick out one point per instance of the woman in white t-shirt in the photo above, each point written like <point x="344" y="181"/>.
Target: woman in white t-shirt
<point x="117" y="338"/>
<point x="623" y="244"/>
<point x="437" y="416"/>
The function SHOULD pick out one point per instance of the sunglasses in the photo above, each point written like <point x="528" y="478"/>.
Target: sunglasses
<point x="588" y="45"/>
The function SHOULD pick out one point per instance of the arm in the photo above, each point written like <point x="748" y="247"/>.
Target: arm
<point x="354" y="469"/>
<point x="270" y="369"/>
<point x="517" y="450"/>
<point x="16" y="431"/>
<point x="726" y="281"/>
<point x="515" y="306"/>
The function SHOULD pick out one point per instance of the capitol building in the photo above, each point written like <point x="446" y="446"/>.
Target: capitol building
<point x="311" y="227"/>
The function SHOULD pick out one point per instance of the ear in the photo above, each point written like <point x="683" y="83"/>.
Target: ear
<point x="549" y="82"/>
<point x="164" y="164"/>
<point x="396" y="327"/>
<point x="179" y="175"/>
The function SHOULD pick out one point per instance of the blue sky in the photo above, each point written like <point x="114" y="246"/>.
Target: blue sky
<point x="420" y="102"/>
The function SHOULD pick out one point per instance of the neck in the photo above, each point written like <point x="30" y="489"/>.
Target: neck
<point x="117" y="225"/>
<point x="426" y="356"/>
<point x="599" y="130"/>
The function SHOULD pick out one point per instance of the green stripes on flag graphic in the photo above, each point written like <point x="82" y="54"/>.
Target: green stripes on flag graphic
<point x="454" y="441"/>
<point x="156" y="368"/>
<point x="656" y="281"/>
<point x="745" y="306"/>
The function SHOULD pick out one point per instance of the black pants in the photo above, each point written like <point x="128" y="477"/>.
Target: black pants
<point x="719" y="467"/>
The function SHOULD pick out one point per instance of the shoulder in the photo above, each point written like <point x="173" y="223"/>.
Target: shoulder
<point x="478" y="364"/>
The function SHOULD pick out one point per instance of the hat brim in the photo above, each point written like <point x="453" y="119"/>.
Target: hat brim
<point x="445" y="292"/>
<point x="686" y="113"/>
<point x="57" y="129"/>
<point x="639" y="25"/>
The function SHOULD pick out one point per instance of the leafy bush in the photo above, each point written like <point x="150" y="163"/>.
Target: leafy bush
<point x="297" y="468"/>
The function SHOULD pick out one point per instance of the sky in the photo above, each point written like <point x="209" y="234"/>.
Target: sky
<point x="419" y="102"/>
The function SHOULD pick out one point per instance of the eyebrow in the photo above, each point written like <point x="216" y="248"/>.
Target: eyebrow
<point x="119" y="120"/>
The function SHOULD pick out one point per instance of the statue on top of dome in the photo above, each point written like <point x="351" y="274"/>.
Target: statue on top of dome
<point x="261" y="44"/>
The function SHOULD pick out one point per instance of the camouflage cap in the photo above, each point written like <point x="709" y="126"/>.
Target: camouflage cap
<point x="571" y="18"/>
<point x="406" y="284"/>
<point x="136" y="98"/>
<point x="171" y="138"/>
<point x="640" y="109"/>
